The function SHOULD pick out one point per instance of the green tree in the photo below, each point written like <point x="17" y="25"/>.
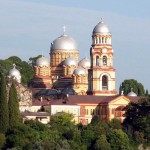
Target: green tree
<point x="24" y="67"/>
<point x="21" y="136"/>
<point x="146" y="93"/>
<point x="4" y="116"/>
<point x="62" y="120"/>
<point x="120" y="90"/>
<point x="88" y="137"/>
<point x="26" y="72"/>
<point x="115" y="124"/>
<point x="102" y="143"/>
<point x="15" y="60"/>
<point x="138" y="119"/>
<point x="13" y="106"/>
<point x="118" y="140"/>
<point x="137" y="87"/>
<point x="34" y="124"/>
<point x="63" y="145"/>
<point x="5" y="66"/>
<point x="32" y="60"/>
<point x="2" y="140"/>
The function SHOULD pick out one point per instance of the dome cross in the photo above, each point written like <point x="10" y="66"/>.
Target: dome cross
<point x="101" y="19"/>
<point x="64" y="29"/>
<point x="14" y="65"/>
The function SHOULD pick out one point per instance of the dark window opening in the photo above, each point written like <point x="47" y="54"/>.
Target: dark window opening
<point x="104" y="83"/>
<point x="104" y="60"/>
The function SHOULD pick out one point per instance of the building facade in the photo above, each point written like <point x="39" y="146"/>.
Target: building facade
<point x="94" y="76"/>
<point x="85" y="89"/>
<point x="87" y="108"/>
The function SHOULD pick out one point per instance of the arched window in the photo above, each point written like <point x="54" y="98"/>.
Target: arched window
<point x="44" y="71"/>
<point x="104" y="83"/>
<point x="97" y="60"/>
<point x="104" y="61"/>
<point x="106" y="40"/>
<point x="102" y="40"/>
<point x="67" y="71"/>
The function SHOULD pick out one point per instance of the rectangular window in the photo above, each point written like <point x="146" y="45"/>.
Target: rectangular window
<point x="104" y="111"/>
<point x="117" y="114"/>
<point x="91" y="111"/>
<point x="74" y="111"/>
<point x="87" y="112"/>
<point x="112" y="111"/>
<point x="80" y="120"/>
<point x="87" y="121"/>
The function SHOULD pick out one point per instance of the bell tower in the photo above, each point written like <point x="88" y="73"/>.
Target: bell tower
<point x="101" y="76"/>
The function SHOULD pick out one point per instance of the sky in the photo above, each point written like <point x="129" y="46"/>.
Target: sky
<point x="27" y="27"/>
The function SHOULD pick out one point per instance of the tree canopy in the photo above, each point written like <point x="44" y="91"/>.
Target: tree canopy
<point x="137" y="87"/>
<point x="65" y="135"/>
<point x="25" y="69"/>
<point x="137" y="121"/>
<point x="4" y="118"/>
<point x="13" y="105"/>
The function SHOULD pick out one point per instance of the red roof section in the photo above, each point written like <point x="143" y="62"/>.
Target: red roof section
<point x="82" y="99"/>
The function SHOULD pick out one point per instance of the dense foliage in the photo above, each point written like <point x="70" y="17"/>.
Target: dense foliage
<point x="62" y="134"/>
<point x="137" y="121"/>
<point x="4" y="120"/>
<point x="24" y="67"/>
<point x="137" y="87"/>
<point x="13" y="106"/>
<point x="32" y="60"/>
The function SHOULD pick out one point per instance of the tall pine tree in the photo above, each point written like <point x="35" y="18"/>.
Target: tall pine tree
<point x="13" y="106"/>
<point x="4" y="120"/>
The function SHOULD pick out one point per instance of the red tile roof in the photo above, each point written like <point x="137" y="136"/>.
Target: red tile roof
<point x="40" y="103"/>
<point x="82" y="99"/>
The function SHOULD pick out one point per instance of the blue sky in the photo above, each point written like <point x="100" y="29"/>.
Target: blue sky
<point x="27" y="27"/>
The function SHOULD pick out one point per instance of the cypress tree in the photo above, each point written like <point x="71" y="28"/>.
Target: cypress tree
<point x="13" y="106"/>
<point x="120" y="90"/>
<point x="146" y="93"/>
<point x="4" y="120"/>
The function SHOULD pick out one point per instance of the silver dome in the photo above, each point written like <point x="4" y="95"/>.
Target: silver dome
<point x="64" y="42"/>
<point x="70" y="61"/>
<point x="42" y="61"/>
<point x="14" y="72"/>
<point x="85" y="63"/>
<point x="132" y="93"/>
<point x="80" y="71"/>
<point x="101" y="29"/>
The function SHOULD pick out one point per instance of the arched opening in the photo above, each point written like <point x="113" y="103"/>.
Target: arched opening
<point x="102" y="40"/>
<point x="119" y="112"/>
<point x="38" y="72"/>
<point x="67" y="71"/>
<point x="44" y="71"/>
<point x="104" y="83"/>
<point x="106" y="40"/>
<point x="97" y="60"/>
<point x="104" y="61"/>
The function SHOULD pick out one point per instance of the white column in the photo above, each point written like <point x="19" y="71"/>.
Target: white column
<point x="97" y="40"/>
